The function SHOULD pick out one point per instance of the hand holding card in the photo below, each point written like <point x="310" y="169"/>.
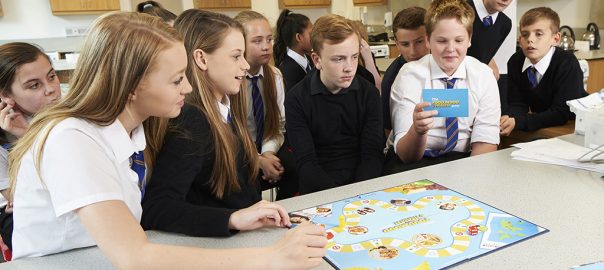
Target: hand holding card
<point x="448" y="102"/>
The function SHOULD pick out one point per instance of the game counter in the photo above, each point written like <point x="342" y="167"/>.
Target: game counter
<point x="565" y="201"/>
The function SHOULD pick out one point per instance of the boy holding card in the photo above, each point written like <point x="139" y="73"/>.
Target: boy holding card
<point x="421" y="136"/>
<point x="542" y="77"/>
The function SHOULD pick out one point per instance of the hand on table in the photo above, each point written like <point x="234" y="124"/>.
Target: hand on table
<point x="261" y="214"/>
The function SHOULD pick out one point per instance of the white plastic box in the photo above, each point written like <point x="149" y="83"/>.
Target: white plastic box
<point x="594" y="128"/>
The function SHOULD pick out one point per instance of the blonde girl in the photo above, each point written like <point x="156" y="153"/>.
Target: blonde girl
<point x="264" y="92"/>
<point x="70" y="174"/>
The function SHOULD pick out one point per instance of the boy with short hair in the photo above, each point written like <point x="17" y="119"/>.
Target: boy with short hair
<point x="542" y="77"/>
<point x="420" y="139"/>
<point x="410" y="37"/>
<point x="334" y="122"/>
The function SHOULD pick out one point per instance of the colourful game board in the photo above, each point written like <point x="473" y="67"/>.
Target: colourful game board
<point x="420" y="225"/>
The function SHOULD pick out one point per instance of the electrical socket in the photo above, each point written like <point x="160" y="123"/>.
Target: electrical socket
<point x="75" y="31"/>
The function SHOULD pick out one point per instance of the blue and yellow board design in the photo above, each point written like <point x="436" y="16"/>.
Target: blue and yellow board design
<point x="420" y="225"/>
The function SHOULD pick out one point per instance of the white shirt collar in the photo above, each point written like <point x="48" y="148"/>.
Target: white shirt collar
<point x="481" y="11"/>
<point x="542" y="65"/>
<point x="260" y="73"/>
<point x="225" y="108"/>
<point x="300" y="59"/>
<point x="436" y="73"/>
<point x="124" y="146"/>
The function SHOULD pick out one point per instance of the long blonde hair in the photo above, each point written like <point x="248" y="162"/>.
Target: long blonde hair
<point x="207" y="30"/>
<point x="118" y="52"/>
<point x="272" y="115"/>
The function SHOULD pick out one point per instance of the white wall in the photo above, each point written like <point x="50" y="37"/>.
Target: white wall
<point x="33" y="19"/>
<point x="574" y="13"/>
<point x="509" y="45"/>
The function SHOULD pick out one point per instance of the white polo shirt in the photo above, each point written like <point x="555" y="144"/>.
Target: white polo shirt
<point x="82" y="163"/>
<point x="482" y="125"/>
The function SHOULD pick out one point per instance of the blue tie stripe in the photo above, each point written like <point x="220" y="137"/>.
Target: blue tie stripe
<point x="451" y="125"/>
<point x="258" y="106"/>
<point x="487" y="21"/>
<point x="137" y="164"/>
<point x="307" y="69"/>
<point x="531" y="72"/>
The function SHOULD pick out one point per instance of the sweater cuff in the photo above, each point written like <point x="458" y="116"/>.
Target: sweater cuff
<point x="221" y="220"/>
<point x="521" y="122"/>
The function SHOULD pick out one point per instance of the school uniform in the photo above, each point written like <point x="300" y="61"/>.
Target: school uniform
<point x="6" y="219"/>
<point x="82" y="164"/>
<point x="179" y="197"/>
<point x="482" y="123"/>
<point x="336" y="138"/>
<point x="387" y="81"/>
<point x="294" y="68"/>
<point x="558" y="78"/>
<point x="288" y="185"/>
<point x="489" y="32"/>
<point x="8" y="140"/>
<point x="272" y="144"/>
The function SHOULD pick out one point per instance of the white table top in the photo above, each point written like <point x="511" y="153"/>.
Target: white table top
<point x="568" y="202"/>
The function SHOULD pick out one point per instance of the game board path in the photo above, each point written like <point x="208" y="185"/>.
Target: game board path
<point x="459" y="231"/>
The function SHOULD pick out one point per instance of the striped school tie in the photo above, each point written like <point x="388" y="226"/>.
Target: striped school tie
<point x="487" y="21"/>
<point x="258" y="106"/>
<point x="307" y="69"/>
<point x="137" y="164"/>
<point x="229" y="118"/>
<point x="531" y="72"/>
<point x="451" y="128"/>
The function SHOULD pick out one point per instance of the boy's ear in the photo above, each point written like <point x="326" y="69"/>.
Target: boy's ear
<point x="556" y="37"/>
<point x="200" y="58"/>
<point x="316" y="60"/>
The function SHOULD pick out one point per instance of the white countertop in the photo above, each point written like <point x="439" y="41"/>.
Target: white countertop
<point x="590" y="55"/>
<point x="566" y="201"/>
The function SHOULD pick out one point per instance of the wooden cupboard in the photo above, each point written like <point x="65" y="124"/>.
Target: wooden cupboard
<point x="304" y="3"/>
<point x="222" y="4"/>
<point x="595" y="81"/>
<point x="68" y="7"/>
<point x="369" y="2"/>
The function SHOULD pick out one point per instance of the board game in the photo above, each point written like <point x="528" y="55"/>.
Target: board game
<point x="420" y="225"/>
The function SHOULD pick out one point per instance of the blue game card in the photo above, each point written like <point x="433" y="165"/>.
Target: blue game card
<point x="448" y="102"/>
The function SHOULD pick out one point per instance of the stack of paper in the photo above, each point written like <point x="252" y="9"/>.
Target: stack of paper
<point x="558" y="152"/>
